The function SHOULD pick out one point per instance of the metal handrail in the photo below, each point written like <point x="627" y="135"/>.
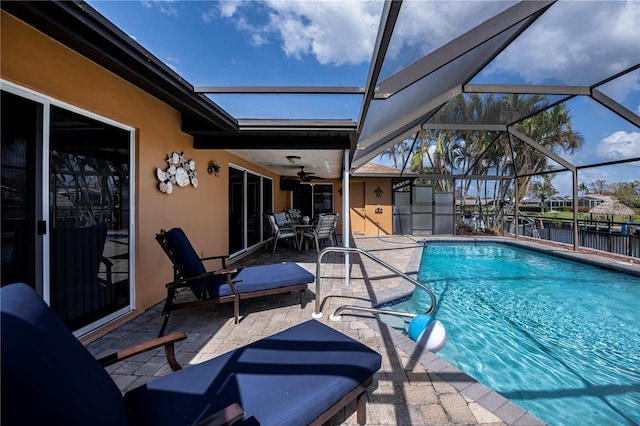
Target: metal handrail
<point x="336" y="315"/>
<point x="318" y="314"/>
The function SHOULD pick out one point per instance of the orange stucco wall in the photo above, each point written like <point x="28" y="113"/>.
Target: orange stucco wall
<point x="34" y="61"/>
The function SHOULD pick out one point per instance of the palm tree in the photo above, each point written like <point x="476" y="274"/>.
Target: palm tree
<point x="492" y="153"/>
<point x="543" y="190"/>
<point x="583" y="188"/>
<point x="398" y="153"/>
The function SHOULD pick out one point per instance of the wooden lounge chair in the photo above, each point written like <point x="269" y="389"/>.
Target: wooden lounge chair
<point x="303" y="375"/>
<point x="224" y="285"/>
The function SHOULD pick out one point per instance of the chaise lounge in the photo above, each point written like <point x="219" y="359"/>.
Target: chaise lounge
<point x="224" y="285"/>
<point x="303" y="375"/>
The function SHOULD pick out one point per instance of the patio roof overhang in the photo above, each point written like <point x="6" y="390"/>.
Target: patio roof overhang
<point x="280" y="134"/>
<point x="83" y="29"/>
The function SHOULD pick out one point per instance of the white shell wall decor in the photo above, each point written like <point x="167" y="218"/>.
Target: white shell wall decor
<point x="179" y="172"/>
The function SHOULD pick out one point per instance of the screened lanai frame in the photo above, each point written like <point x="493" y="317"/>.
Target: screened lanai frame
<point x="397" y="107"/>
<point x="397" y="100"/>
<point x="399" y="110"/>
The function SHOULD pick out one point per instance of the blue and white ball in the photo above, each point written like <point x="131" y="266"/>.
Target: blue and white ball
<point x="427" y="332"/>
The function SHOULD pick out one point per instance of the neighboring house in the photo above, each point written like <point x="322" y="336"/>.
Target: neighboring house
<point x="592" y="200"/>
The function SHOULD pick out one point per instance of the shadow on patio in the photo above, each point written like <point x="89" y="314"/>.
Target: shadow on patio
<point x="404" y="390"/>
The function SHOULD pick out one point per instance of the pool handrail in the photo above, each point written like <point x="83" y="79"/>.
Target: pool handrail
<point x="318" y="314"/>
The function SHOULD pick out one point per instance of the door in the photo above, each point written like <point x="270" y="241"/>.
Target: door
<point x="21" y="245"/>
<point x="88" y="218"/>
<point x="250" y="197"/>
<point x="357" y="210"/>
<point x="313" y="199"/>
<point x="65" y="230"/>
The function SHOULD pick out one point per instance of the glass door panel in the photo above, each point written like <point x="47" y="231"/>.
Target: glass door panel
<point x="313" y="199"/>
<point x="322" y="199"/>
<point x="253" y="209"/>
<point x="303" y="200"/>
<point x="21" y="131"/>
<point x="236" y="210"/>
<point x="88" y="218"/>
<point x="267" y="205"/>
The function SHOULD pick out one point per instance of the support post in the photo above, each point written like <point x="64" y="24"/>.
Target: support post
<point x="576" y="243"/>
<point x="345" y="217"/>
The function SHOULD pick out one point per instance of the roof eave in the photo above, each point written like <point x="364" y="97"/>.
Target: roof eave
<point x="81" y="28"/>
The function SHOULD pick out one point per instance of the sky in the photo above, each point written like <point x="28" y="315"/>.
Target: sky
<point x="330" y="43"/>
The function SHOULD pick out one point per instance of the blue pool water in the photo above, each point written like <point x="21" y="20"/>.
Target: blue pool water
<point x="559" y="338"/>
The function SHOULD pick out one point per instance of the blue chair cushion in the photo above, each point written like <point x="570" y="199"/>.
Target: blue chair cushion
<point x="183" y="253"/>
<point x="289" y="378"/>
<point x="187" y="260"/>
<point x="248" y="279"/>
<point x="48" y="377"/>
<point x="262" y="277"/>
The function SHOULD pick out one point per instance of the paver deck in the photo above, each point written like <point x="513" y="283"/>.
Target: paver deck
<point x="413" y="387"/>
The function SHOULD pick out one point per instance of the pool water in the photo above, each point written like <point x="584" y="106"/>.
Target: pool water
<point x="559" y="338"/>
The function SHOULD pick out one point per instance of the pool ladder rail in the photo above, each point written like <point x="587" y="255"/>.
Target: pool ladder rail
<point x="336" y="315"/>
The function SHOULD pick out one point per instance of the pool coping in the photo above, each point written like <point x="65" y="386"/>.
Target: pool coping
<point x="489" y="399"/>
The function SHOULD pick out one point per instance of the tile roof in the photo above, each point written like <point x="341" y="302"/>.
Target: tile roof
<point x="374" y="169"/>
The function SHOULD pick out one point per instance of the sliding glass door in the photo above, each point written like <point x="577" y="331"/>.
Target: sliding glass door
<point x="89" y="217"/>
<point x="312" y="199"/>
<point x="250" y="197"/>
<point x="66" y="207"/>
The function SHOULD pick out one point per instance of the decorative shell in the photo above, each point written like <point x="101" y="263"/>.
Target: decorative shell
<point x="179" y="172"/>
<point x="182" y="177"/>
<point x="162" y="176"/>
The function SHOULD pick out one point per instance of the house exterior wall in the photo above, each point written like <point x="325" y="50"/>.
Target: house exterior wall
<point x="35" y="61"/>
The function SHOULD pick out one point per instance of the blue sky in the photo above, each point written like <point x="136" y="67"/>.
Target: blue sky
<point x="308" y="43"/>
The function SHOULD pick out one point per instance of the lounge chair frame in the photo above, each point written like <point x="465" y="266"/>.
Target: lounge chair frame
<point x="36" y="391"/>
<point x="181" y="282"/>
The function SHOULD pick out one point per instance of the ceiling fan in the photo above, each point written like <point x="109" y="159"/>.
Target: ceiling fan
<point x="306" y="176"/>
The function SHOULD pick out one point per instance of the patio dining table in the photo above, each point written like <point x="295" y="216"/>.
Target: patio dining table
<point x="300" y="229"/>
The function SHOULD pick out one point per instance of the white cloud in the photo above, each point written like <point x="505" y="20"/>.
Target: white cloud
<point x="597" y="38"/>
<point x="228" y="8"/>
<point x="619" y="145"/>
<point x="334" y="32"/>
<point x="425" y="26"/>
<point x="344" y="32"/>
<point x="165" y="6"/>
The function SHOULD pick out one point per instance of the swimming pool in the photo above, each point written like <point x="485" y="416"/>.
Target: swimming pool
<point x="559" y="338"/>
